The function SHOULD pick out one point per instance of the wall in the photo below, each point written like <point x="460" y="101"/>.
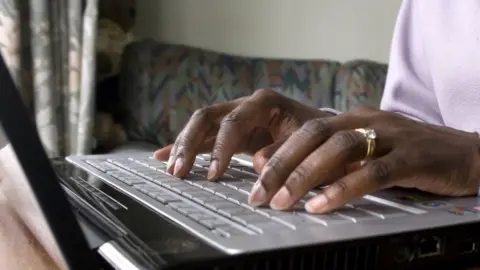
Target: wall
<point x="336" y="29"/>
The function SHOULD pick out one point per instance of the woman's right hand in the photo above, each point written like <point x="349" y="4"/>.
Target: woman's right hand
<point x="256" y="125"/>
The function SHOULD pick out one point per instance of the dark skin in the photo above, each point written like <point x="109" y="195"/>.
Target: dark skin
<point x="297" y="148"/>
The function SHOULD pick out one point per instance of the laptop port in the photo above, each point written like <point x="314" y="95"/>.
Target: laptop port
<point x="467" y="246"/>
<point x="429" y="246"/>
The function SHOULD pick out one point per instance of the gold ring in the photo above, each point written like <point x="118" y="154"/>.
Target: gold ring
<point x="370" y="136"/>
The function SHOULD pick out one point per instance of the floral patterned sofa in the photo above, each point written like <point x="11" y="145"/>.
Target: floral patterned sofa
<point x="161" y="85"/>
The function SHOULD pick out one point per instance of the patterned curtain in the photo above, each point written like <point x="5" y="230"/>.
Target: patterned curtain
<point x="49" y="47"/>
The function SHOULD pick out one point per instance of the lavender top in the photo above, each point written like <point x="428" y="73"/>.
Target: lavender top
<point x="434" y="66"/>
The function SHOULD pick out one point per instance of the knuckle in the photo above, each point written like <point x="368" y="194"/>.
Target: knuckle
<point x="265" y="92"/>
<point x="316" y="126"/>
<point x="274" y="163"/>
<point x="341" y="186"/>
<point x="345" y="139"/>
<point x="231" y="118"/>
<point x="299" y="176"/>
<point x="379" y="171"/>
<point x="202" y="113"/>
<point x="218" y="148"/>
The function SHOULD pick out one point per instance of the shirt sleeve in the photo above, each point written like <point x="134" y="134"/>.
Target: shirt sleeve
<point x="408" y="89"/>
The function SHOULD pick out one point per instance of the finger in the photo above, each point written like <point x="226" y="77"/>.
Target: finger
<point x="201" y="124"/>
<point x="163" y="154"/>
<point x="262" y="156"/>
<point x="324" y="165"/>
<point x="237" y="128"/>
<point x="297" y="147"/>
<point x="374" y="175"/>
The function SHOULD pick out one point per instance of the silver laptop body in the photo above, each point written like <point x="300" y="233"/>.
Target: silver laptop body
<point x="219" y="214"/>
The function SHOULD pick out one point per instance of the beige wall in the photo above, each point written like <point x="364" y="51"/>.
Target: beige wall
<point x="334" y="29"/>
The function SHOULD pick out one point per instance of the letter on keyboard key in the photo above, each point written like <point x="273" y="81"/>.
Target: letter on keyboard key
<point x="267" y="227"/>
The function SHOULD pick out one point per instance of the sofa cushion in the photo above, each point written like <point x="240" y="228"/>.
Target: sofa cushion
<point x="162" y="85"/>
<point x="310" y="82"/>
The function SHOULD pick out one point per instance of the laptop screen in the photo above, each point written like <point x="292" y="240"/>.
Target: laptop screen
<point x="31" y="185"/>
<point x="16" y="189"/>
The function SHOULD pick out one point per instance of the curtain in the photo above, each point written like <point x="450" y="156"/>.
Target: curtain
<point x="49" y="48"/>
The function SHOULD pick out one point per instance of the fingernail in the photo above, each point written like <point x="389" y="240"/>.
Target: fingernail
<point x="170" y="162"/>
<point x="212" y="172"/>
<point x="281" y="200"/>
<point x="316" y="204"/>
<point x="257" y="195"/>
<point x="178" y="165"/>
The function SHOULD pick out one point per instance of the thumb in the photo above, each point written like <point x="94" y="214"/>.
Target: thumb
<point x="262" y="156"/>
<point x="163" y="153"/>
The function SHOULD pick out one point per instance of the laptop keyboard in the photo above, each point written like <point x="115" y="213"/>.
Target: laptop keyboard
<point x="222" y="206"/>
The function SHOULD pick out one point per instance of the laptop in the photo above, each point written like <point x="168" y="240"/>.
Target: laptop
<point x="123" y="211"/>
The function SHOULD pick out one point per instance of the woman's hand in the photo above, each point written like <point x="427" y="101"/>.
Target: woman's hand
<point x="408" y="154"/>
<point x="257" y="124"/>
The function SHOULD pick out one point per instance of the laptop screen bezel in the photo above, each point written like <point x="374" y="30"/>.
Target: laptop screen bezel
<point x="22" y="135"/>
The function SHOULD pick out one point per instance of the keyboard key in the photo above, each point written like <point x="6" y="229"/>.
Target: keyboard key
<point x="131" y="181"/>
<point x="266" y="227"/>
<point x="237" y="185"/>
<point x="326" y="219"/>
<point x="200" y="216"/>
<point x="213" y="223"/>
<point x="189" y="210"/>
<point x="266" y="211"/>
<point x="246" y="188"/>
<point x="195" y="192"/>
<point x="176" y="185"/>
<point x="354" y="214"/>
<point x="229" y="231"/>
<point x="102" y="165"/>
<point x="217" y="205"/>
<point x="382" y="211"/>
<point x="203" y="200"/>
<point x="236" y="174"/>
<point x="166" y="198"/>
<point x="292" y="221"/>
<point x="145" y="188"/>
<point x="246" y="169"/>
<point x="238" y="198"/>
<point x="202" y="163"/>
<point x="249" y="218"/>
<point x="231" y="212"/>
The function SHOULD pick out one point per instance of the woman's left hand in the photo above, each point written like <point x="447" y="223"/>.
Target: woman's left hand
<point x="407" y="153"/>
